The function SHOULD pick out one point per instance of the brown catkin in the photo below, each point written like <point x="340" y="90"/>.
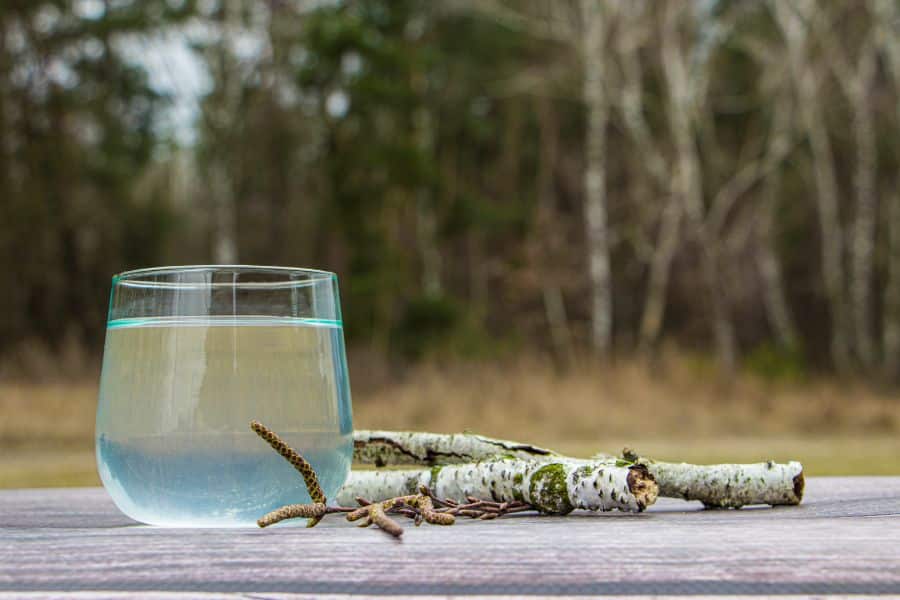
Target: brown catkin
<point x="293" y="511"/>
<point x="429" y="514"/>
<point x="378" y="516"/>
<point x="293" y="457"/>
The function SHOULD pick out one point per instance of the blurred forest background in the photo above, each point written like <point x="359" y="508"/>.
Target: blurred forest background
<point x="549" y="217"/>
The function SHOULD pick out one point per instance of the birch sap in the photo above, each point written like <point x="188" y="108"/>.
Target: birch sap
<point x="174" y="445"/>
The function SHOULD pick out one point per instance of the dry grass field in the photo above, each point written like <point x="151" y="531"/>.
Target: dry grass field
<point x="676" y="411"/>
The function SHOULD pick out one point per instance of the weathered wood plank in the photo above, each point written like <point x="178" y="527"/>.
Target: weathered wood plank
<point x="844" y="539"/>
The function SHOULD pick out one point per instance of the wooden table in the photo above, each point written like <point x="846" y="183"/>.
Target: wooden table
<point x="844" y="539"/>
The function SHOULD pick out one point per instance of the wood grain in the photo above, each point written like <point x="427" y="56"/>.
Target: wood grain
<point x="844" y="539"/>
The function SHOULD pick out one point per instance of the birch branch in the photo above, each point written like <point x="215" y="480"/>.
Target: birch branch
<point x="729" y="485"/>
<point x="383" y="448"/>
<point x="553" y="486"/>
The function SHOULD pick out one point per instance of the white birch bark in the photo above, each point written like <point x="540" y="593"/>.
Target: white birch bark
<point x="714" y="485"/>
<point x="728" y="485"/>
<point x="668" y="239"/>
<point x="806" y="78"/>
<point x="633" y="35"/>
<point x="863" y="247"/>
<point x="595" y="202"/>
<point x="224" y="220"/>
<point x="222" y="184"/>
<point x="683" y="107"/>
<point x="384" y="448"/>
<point x="857" y="82"/>
<point x="556" y="487"/>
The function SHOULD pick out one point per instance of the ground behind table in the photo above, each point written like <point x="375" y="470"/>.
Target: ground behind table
<point x="844" y="539"/>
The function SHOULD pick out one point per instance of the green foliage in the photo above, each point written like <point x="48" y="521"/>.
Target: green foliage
<point x="78" y="127"/>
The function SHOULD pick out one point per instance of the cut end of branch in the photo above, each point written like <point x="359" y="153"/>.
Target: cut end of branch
<point x="799" y="486"/>
<point x="642" y="485"/>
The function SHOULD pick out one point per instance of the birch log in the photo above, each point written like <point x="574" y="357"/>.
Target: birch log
<point x="551" y="486"/>
<point x="729" y="485"/>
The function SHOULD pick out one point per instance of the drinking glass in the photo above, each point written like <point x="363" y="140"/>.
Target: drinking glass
<point x="192" y="355"/>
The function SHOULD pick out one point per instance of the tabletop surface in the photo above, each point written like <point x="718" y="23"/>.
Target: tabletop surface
<point x="844" y="539"/>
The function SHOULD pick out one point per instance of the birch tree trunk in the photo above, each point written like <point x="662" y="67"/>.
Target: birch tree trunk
<point x="863" y="248"/>
<point x="683" y="101"/>
<point x="857" y="82"/>
<point x="887" y="17"/>
<point x="774" y="295"/>
<point x="426" y="217"/>
<point x="633" y="36"/>
<point x="222" y="184"/>
<point x="595" y="202"/>
<point x="547" y="239"/>
<point x="892" y="291"/>
<point x="667" y="242"/>
<point x="806" y="78"/>
<point x="224" y="220"/>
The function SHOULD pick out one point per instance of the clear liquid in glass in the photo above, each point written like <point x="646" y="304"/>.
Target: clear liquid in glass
<point x="177" y="395"/>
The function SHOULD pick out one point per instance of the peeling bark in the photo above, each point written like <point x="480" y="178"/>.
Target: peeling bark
<point x="551" y="486"/>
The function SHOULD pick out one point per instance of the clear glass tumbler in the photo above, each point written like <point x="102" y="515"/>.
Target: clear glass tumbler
<point x="192" y="355"/>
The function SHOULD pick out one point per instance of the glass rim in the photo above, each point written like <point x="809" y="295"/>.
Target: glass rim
<point x="144" y="277"/>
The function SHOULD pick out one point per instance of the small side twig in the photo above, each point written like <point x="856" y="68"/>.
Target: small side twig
<point x="475" y="507"/>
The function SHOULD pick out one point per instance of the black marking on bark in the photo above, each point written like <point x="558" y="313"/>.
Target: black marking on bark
<point x="516" y="447"/>
<point x="429" y="459"/>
